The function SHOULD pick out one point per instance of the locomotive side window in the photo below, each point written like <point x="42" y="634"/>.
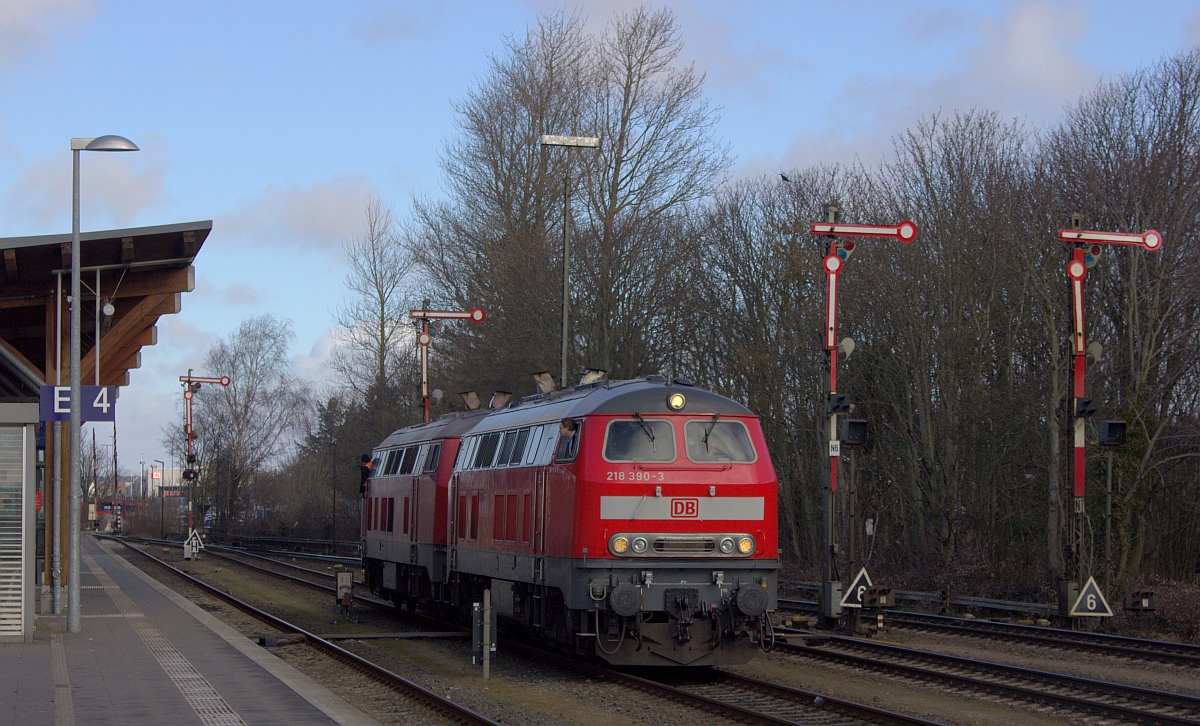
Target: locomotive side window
<point x="466" y="454"/>
<point x="639" y="440"/>
<point x="535" y="441"/>
<point x="710" y="440"/>
<point x="431" y="458"/>
<point x="377" y="458"/>
<point x="506" y="448"/>
<point x="486" y="451"/>
<point x="518" y="449"/>
<point x="393" y="461"/>
<point x="409" y="460"/>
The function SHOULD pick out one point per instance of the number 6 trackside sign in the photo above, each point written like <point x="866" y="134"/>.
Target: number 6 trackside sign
<point x="99" y="403"/>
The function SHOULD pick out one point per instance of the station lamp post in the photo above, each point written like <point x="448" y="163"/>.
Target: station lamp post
<point x="590" y="142"/>
<point x="101" y="143"/>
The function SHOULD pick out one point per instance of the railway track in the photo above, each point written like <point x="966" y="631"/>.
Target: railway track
<point x="438" y="706"/>
<point x="737" y="697"/>
<point x="1159" y="651"/>
<point x="1081" y="695"/>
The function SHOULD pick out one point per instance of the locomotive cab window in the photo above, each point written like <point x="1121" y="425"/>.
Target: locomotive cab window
<point x="712" y="440"/>
<point x="639" y="439"/>
<point x="409" y="459"/>
<point x="567" y="447"/>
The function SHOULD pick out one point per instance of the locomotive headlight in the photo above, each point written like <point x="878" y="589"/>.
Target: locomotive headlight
<point x="746" y="545"/>
<point x="620" y="545"/>
<point x="726" y="546"/>
<point x="639" y="545"/>
<point x="676" y="401"/>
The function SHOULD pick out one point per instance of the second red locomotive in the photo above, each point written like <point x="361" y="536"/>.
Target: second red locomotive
<point x="631" y="520"/>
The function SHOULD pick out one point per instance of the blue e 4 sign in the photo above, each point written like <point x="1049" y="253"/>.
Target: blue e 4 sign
<point x="99" y="403"/>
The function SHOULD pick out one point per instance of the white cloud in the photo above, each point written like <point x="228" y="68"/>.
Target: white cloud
<point x="318" y="217"/>
<point x="1191" y="32"/>
<point x="28" y="27"/>
<point x="313" y="367"/>
<point x="113" y="189"/>
<point x="1021" y="65"/>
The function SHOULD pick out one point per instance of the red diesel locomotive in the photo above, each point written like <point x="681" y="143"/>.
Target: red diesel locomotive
<point x="648" y="536"/>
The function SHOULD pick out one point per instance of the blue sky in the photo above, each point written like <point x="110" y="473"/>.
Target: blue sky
<point x="279" y="120"/>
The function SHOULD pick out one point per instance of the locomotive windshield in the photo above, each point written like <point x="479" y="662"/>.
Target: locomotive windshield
<point x="639" y="439"/>
<point x="709" y="440"/>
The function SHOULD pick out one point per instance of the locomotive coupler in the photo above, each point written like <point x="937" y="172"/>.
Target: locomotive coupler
<point x="679" y="605"/>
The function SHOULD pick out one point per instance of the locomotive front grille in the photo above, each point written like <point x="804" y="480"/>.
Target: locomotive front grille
<point x="684" y="545"/>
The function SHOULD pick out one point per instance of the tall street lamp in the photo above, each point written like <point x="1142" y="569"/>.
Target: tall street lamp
<point x="591" y="142"/>
<point x="101" y="143"/>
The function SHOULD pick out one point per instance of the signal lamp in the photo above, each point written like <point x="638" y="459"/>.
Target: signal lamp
<point x="676" y="401"/>
<point x="1084" y="408"/>
<point x="726" y="546"/>
<point x="839" y="403"/>
<point x="746" y="545"/>
<point x="620" y="545"/>
<point x="1112" y="433"/>
<point x="639" y="545"/>
<point x="854" y="431"/>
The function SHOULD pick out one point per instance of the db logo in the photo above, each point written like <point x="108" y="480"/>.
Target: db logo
<point x="685" y="508"/>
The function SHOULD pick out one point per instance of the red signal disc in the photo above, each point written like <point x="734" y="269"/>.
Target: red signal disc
<point x="906" y="231"/>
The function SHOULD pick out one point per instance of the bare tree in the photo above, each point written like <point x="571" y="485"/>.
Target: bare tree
<point x="246" y="427"/>
<point x="487" y="245"/>
<point x="374" y="349"/>
<point x="658" y="157"/>
<point x="496" y="242"/>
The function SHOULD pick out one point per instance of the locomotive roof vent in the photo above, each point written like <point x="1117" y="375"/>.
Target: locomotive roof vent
<point x="655" y="378"/>
<point x="592" y="375"/>
<point x="682" y="381"/>
<point x="543" y="381"/>
<point x="499" y="398"/>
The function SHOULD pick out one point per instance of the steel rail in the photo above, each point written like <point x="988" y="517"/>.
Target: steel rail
<point x="444" y="706"/>
<point x="801" y="702"/>
<point x="883" y="656"/>
<point x="1142" y="648"/>
<point x="795" y="698"/>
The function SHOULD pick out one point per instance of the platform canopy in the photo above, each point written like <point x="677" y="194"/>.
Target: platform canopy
<point x="141" y="273"/>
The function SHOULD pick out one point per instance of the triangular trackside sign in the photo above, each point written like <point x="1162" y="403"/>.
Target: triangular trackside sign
<point x="854" y="595"/>
<point x="194" y="541"/>
<point x="1091" y="602"/>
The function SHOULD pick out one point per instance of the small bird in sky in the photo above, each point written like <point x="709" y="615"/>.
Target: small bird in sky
<point x="784" y="177"/>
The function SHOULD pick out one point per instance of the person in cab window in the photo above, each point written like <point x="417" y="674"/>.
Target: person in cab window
<point x="567" y="430"/>
<point x="364" y="473"/>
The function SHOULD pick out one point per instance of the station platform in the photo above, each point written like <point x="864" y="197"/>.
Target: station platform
<point x="149" y="656"/>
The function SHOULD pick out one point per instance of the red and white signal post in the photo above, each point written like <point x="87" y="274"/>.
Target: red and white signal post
<point x="191" y="384"/>
<point x="1087" y="245"/>
<point x="424" y="338"/>
<point x="839" y="249"/>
